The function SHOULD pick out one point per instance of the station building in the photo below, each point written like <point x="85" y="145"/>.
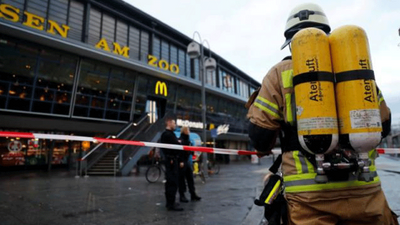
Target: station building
<point x="91" y="67"/>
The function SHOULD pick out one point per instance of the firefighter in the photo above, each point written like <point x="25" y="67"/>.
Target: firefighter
<point x="272" y="113"/>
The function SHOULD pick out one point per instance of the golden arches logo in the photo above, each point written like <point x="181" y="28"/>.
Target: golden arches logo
<point x="161" y="88"/>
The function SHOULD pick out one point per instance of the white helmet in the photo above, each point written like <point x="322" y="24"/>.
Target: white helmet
<point x="303" y="16"/>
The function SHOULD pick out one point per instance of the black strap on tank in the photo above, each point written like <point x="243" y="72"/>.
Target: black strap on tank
<point x="354" y="75"/>
<point x="313" y="76"/>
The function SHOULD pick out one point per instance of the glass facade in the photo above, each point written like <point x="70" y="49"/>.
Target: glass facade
<point x="38" y="79"/>
<point x="36" y="153"/>
<point x="111" y="28"/>
<point x="104" y="92"/>
<point x="35" y="79"/>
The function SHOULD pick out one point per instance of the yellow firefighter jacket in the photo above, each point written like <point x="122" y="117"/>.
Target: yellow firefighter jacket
<point x="274" y="106"/>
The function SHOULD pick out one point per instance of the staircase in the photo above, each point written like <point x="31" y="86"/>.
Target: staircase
<point x="108" y="160"/>
<point x="105" y="166"/>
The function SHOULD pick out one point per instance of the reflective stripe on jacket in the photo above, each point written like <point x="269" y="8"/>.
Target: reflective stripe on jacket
<point x="302" y="179"/>
<point x="274" y="105"/>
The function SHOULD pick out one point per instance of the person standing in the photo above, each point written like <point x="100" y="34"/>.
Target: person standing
<point x="172" y="164"/>
<point x="186" y="173"/>
<point x="340" y="200"/>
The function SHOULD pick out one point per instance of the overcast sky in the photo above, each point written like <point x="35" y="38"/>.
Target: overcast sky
<point x="249" y="33"/>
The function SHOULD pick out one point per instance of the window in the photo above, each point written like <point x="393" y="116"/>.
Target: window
<point x="181" y="64"/>
<point x="188" y="104"/>
<point x="227" y="82"/>
<point x="75" y="20"/>
<point x="94" y="26"/>
<point x="252" y="89"/>
<point x="120" y="95"/>
<point x="174" y="55"/>
<point x="108" y="29"/>
<point x="144" y="45"/>
<point x="58" y="11"/>
<point x="122" y="33"/>
<point x="35" y="79"/>
<point x="37" y="7"/>
<point x="194" y="69"/>
<point x="54" y="83"/>
<point x="243" y="88"/>
<point x="164" y="50"/>
<point x="104" y="92"/>
<point x="210" y="78"/>
<point x="188" y="69"/>
<point x="156" y="47"/>
<point x="134" y="36"/>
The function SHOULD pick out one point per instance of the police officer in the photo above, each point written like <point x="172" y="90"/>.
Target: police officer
<point x="172" y="164"/>
<point x="272" y="113"/>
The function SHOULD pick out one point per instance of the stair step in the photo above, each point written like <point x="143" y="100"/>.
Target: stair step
<point x="106" y="162"/>
<point x="103" y="167"/>
<point x="100" y="173"/>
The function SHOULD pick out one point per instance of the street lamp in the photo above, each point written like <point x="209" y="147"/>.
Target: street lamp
<point x="196" y="50"/>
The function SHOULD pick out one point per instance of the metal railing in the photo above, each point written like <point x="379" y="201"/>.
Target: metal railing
<point x="129" y="152"/>
<point x="147" y="133"/>
<point x="94" y="155"/>
<point x="115" y="165"/>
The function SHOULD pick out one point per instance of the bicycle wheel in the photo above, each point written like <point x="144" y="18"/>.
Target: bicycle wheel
<point x="153" y="173"/>
<point x="202" y="177"/>
<point x="214" y="167"/>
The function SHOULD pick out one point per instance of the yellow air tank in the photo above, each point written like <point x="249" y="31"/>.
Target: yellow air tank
<point x="314" y="91"/>
<point x="356" y="98"/>
<point x="313" y="83"/>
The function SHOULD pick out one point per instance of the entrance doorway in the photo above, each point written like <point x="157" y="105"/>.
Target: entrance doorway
<point x="155" y="108"/>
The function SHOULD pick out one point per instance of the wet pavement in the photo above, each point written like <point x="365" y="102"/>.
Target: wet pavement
<point x="59" y="198"/>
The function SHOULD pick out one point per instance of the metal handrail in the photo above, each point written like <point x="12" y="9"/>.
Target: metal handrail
<point x="119" y="134"/>
<point x="115" y="165"/>
<point x="109" y="136"/>
<point x="99" y="145"/>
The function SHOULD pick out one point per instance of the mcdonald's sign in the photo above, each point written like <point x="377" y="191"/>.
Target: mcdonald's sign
<point x="161" y="88"/>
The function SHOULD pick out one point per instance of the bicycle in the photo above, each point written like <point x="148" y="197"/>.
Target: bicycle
<point x="198" y="171"/>
<point x="154" y="171"/>
<point x="212" y="167"/>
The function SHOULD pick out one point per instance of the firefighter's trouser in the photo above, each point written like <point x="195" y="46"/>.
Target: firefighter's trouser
<point x="370" y="209"/>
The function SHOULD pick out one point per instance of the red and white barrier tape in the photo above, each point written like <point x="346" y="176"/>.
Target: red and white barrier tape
<point x="152" y="144"/>
<point x="125" y="142"/>
<point x="388" y="150"/>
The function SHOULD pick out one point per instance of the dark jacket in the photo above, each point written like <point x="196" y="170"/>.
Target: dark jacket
<point x="168" y="137"/>
<point x="185" y="141"/>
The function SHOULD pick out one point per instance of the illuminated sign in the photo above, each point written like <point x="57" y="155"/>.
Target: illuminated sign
<point x="85" y="145"/>
<point x="190" y="124"/>
<point x="14" y="146"/>
<point x="222" y="129"/>
<point x="11" y="13"/>
<point x="162" y="64"/>
<point x="161" y="88"/>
